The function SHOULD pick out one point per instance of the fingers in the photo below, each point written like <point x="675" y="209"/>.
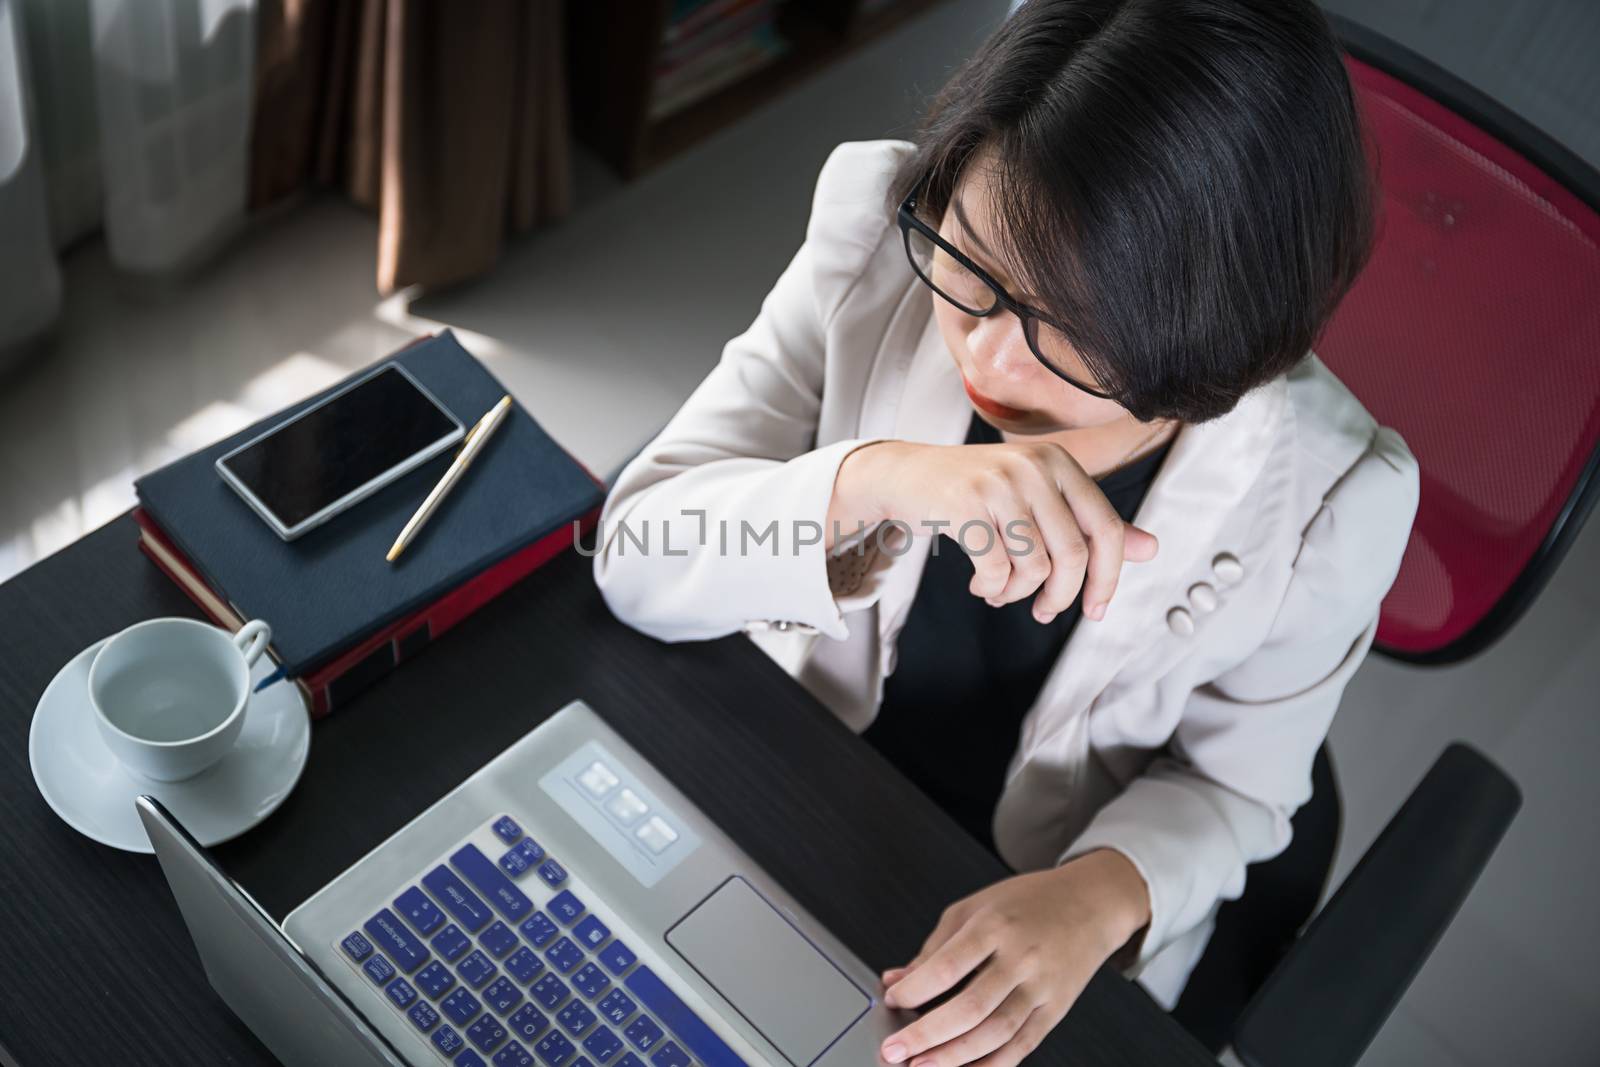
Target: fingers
<point x="941" y="971"/>
<point x="1138" y="545"/>
<point x="1017" y="1049"/>
<point x="991" y="568"/>
<point x="1030" y="560"/>
<point x="1046" y="527"/>
<point x="974" y="1011"/>
<point x="990" y="1034"/>
<point x="1068" y="556"/>
<point x="1101" y="527"/>
<point x="950" y="920"/>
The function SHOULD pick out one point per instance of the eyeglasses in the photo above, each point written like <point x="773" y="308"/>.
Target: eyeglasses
<point x="967" y="286"/>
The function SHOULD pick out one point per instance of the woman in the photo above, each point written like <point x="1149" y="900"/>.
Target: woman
<point x="1068" y="329"/>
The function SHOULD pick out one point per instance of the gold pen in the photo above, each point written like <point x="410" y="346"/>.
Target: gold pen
<point x="476" y="438"/>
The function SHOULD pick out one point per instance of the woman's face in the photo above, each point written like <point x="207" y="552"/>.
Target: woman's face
<point x="1008" y="386"/>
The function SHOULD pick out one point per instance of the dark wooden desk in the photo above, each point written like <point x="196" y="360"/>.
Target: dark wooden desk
<point x="96" y="966"/>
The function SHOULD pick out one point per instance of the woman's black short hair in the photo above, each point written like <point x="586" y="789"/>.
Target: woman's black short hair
<point x="1182" y="183"/>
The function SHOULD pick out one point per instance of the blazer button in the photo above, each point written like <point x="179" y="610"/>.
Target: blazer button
<point x="755" y="626"/>
<point x="1227" y="568"/>
<point x="1202" y="598"/>
<point x="1180" y="622"/>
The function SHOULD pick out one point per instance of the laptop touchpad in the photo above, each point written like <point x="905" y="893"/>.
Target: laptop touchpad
<point x="781" y="983"/>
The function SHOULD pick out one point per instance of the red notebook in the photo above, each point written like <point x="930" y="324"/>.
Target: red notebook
<point x="334" y="683"/>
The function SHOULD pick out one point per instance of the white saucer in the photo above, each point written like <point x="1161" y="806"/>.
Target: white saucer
<point x="93" y="792"/>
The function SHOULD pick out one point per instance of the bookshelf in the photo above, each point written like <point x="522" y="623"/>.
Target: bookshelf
<point x="616" y="49"/>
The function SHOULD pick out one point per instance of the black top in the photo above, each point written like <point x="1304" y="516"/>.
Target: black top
<point x="967" y="673"/>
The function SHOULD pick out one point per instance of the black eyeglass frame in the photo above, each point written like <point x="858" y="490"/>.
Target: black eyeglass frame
<point x="1029" y="317"/>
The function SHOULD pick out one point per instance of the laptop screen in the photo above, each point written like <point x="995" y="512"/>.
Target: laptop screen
<point x="278" y="993"/>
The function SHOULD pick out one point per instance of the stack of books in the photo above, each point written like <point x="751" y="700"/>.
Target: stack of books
<point x="341" y="615"/>
<point x="710" y="44"/>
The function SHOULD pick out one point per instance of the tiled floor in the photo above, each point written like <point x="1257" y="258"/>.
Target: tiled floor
<point x="603" y="324"/>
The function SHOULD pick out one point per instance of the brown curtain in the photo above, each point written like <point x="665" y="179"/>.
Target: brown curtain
<point x="447" y="118"/>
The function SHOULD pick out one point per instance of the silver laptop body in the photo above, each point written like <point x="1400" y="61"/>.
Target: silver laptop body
<point x="565" y="906"/>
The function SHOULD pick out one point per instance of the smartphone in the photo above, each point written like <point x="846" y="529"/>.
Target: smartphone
<point x="303" y="472"/>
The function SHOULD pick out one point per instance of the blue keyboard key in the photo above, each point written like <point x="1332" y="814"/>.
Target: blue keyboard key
<point x="576" y="1017"/>
<point x="520" y="857"/>
<point x="501" y="995"/>
<point x="555" y="1049"/>
<point x="513" y="1055"/>
<point x="564" y="955"/>
<point x="528" y="1022"/>
<point x="617" y="957"/>
<point x="523" y="964"/>
<point x="617" y="1006"/>
<point x="591" y="933"/>
<point x="630" y="1060"/>
<point x="539" y="929"/>
<point x="447" y="1040"/>
<point x="552" y="872"/>
<point x="404" y="948"/>
<point x="469" y="1058"/>
<point x="451" y="942"/>
<point x="486" y="1033"/>
<point x="476" y="969"/>
<point x="565" y="907"/>
<point x="434" y="979"/>
<point x="401" y="992"/>
<point x="423" y="1015"/>
<point x="491" y="881"/>
<point x="602" y="1044"/>
<point x="498" y="939"/>
<point x="461" y="1006"/>
<point x="590" y="980"/>
<point x="582" y="1061"/>
<point x="706" y="1046"/>
<point x="643" y="1033"/>
<point x="507" y="829"/>
<point x="670" y="1055"/>
<point x="419" y="911"/>
<point x="379" y="970"/>
<point x="466" y="906"/>
<point x="549" y="991"/>
<point x="356" y="947"/>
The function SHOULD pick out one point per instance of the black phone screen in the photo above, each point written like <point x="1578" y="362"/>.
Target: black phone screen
<point x="331" y="451"/>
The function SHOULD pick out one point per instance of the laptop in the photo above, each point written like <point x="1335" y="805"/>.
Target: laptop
<point x="564" y="906"/>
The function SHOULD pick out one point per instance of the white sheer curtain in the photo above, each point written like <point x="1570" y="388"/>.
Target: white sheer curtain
<point x="128" y="115"/>
<point x="30" y="285"/>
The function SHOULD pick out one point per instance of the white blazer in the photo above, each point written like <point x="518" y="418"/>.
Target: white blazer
<point x="1180" y="729"/>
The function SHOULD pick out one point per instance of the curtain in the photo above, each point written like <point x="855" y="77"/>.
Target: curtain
<point x="126" y="115"/>
<point x="447" y="119"/>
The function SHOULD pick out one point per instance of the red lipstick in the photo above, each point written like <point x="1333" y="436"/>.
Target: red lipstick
<point x="983" y="403"/>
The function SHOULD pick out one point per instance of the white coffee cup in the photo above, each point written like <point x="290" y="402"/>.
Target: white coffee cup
<point x="169" y="695"/>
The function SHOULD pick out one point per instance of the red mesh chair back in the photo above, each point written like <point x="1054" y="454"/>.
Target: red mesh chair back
<point x="1475" y="332"/>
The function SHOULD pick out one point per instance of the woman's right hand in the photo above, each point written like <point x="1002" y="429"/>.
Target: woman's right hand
<point x="1047" y="527"/>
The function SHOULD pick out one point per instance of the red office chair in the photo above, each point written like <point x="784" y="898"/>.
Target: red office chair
<point x="1474" y="331"/>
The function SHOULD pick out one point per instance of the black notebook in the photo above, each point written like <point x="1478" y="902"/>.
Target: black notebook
<point x="327" y="589"/>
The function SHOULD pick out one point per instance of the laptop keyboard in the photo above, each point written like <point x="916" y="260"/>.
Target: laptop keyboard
<point x="497" y="960"/>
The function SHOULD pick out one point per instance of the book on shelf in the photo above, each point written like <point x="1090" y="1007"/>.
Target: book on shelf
<point x="736" y="25"/>
<point x="342" y="616"/>
<point x="714" y="70"/>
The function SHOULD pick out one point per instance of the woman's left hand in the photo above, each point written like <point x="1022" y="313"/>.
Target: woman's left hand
<point x="1029" y="944"/>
